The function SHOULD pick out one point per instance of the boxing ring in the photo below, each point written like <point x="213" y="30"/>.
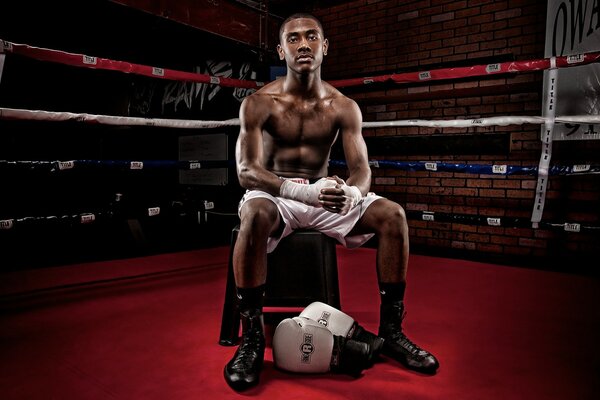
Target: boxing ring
<point x="542" y="172"/>
<point x="158" y="318"/>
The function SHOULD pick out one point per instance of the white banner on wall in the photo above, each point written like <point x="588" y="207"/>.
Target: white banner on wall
<point x="572" y="28"/>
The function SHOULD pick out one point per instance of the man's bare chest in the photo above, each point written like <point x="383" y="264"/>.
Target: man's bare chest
<point x="303" y="124"/>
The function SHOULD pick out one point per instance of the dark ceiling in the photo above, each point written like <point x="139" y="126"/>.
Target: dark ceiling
<point x="254" y="23"/>
<point x="156" y="29"/>
<point x="283" y="8"/>
<point x="286" y="7"/>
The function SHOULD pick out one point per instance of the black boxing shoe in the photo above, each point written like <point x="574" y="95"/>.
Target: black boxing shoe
<point x="243" y="370"/>
<point x="399" y="347"/>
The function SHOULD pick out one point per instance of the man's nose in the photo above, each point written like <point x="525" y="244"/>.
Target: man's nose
<point x="303" y="45"/>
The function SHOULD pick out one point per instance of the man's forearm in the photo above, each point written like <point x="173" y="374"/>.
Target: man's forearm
<point x="259" y="179"/>
<point x="360" y="179"/>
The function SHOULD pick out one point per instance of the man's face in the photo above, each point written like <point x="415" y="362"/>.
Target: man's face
<point x="302" y="45"/>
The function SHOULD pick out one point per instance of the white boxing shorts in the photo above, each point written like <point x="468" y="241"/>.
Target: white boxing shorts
<point x="297" y="215"/>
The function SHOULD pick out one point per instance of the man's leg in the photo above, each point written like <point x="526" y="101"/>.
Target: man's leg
<point x="388" y="221"/>
<point x="258" y="220"/>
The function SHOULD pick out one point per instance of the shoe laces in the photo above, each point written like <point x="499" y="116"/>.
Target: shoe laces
<point x="408" y="345"/>
<point x="248" y="350"/>
<point x="403" y="341"/>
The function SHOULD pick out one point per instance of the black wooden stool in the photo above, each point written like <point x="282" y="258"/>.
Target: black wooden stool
<point x="301" y="270"/>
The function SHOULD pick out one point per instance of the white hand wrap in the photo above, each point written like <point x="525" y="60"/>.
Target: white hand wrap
<point x="302" y="345"/>
<point x="339" y="323"/>
<point x="353" y="197"/>
<point x="352" y="193"/>
<point x="307" y="194"/>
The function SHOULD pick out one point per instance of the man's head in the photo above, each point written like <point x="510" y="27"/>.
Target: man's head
<point x="297" y="16"/>
<point x="302" y="43"/>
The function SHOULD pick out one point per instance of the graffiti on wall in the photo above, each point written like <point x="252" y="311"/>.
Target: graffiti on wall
<point x="175" y="99"/>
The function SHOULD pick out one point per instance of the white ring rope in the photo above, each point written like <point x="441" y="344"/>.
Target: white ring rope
<point x="457" y="123"/>
<point x="38" y="115"/>
<point x="490" y="121"/>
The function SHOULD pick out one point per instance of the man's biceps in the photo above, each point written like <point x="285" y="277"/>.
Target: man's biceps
<point x="251" y="135"/>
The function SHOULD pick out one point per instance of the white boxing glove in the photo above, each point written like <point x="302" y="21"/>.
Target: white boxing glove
<point x="341" y="324"/>
<point x="336" y="321"/>
<point x="307" y="194"/>
<point x="305" y="346"/>
<point x="302" y="345"/>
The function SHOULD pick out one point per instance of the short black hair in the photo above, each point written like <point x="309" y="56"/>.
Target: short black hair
<point x="298" y="16"/>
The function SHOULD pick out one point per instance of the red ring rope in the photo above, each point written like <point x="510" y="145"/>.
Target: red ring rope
<point x="81" y="60"/>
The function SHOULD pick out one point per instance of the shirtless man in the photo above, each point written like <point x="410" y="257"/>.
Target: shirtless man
<point x="287" y="130"/>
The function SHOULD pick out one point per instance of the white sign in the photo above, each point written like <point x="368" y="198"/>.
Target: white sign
<point x="573" y="28"/>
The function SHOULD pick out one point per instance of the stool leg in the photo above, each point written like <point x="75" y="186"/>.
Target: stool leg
<point x="330" y="272"/>
<point x="230" y="320"/>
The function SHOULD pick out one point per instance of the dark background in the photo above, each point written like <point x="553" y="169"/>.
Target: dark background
<point x="368" y="38"/>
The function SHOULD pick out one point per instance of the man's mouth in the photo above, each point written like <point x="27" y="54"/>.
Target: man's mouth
<point x="304" y="58"/>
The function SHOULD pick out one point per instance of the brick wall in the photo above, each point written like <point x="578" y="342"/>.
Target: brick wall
<point x="375" y="37"/>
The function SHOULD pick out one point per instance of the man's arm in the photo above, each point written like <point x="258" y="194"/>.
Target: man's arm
<point x="249" y="151"/>
<point x="355" y="148"/>
<point x="347" y="195"/>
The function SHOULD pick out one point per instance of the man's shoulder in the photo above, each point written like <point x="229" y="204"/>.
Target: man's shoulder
<point x="264" y="94"/>
<point x="270" y="89"/>
<point x="335" y="93"/>
<point x="258" y="106"/>
<point x="338" y="97"/>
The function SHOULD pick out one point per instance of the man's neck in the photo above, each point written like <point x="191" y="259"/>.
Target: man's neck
<point x="305" y="85"/>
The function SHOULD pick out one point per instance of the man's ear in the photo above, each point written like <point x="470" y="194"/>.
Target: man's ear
<point x="325" y="46"/>
<point x="280" y="52"/>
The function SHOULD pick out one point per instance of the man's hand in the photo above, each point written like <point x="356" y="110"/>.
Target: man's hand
<point x="341" y="198"/>
<point x="307" y="194"/>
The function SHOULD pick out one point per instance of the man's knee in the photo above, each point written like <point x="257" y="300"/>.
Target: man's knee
<point x="390" y="217"/>
<point x="385" y="209"/>
<point x="396" y="216"/>
<point x="398" y="213"/>
<point x="259" y="214"/>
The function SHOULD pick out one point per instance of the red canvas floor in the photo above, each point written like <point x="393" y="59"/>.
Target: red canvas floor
<point x="147" y="328"/>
